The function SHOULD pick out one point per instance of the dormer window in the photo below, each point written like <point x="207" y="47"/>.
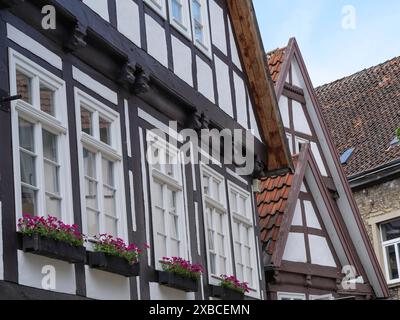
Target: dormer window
<point x="344" y="159"/>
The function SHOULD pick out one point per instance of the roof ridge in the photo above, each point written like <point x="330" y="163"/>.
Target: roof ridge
<point x="321" y="87"/>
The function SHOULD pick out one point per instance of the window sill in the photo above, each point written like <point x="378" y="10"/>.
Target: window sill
<point x="51" y="248"/>
<point x="175" y="281"/>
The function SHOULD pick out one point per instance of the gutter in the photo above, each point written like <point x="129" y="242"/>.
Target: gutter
<point x="375" y="176"/>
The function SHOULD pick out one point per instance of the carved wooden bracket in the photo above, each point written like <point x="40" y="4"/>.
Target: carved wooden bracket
<point x="141" y="84"/>
<point x="259" y="168"/>
<point x="200" y="121"/>
<point x="127" y="75"/>
<point x="77" y="39"/>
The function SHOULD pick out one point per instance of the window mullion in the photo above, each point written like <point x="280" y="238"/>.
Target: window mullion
<point x="35" y="92"/>
<point x="40" y="174"/>
<point x="166" y="218"/>
<point x="99" y="177"/>
<point x="96" y="125"/>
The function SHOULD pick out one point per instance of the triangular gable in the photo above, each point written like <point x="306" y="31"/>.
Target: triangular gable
<point x="294" y="69"/>
<point x="330" y="247"/>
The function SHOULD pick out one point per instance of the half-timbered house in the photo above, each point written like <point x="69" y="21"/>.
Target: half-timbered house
<point x="93" y="85"/>
<point x="314" y="242"/>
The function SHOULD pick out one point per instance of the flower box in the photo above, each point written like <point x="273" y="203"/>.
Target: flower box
<point x="51" y="248"/>
<point x="175" y="281"/>
<point x="224" y="293"/>
<point x="112" y="264"/>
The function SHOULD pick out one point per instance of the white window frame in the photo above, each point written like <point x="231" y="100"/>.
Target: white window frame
<point x="57" y="125"/>
<point x="111" y="152"/>
<point x="176" y="183"/>
<point x="299" y="140"/>
<point x="185" y="26"/>
<point x="246" y="220"/>
<point x="321" y="297"/>
<point x="204" y="46"/>
<point x="158" y="6"/>
<point x="386" y="244"/>
<point x="291" y="296"/>
<point x="214" y="279"/>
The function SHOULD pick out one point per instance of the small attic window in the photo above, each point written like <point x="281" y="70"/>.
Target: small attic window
<point x="344" y="159"/>
<point x="395" y="141"/>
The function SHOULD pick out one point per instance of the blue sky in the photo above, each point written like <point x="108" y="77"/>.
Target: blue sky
<point x="329" y="50"/>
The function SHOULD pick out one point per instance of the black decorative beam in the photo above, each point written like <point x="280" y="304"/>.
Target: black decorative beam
<point x="6" y="4"/>
<point x="6" y="99"/>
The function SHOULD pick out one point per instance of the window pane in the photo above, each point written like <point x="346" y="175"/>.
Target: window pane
<point x="24" y="86"/>
<point x="198" y="32"/>
<point x="233" y="202"/>
<point x="105" y="131"/>
<point x="53" y="206"/>
<point x="111" y="226"/>
<point x="86" y="121"/>
<point x="177" y="10"/>
<point x="51" y="177"/>
<point x="92" y="222"/>
<point x="28" y="197"/>
<point x="89" y="162"/>
<point x="158" y="221"/>
<point x="25" y="129"/>
<point x="215" y="189"/>
<point x="392" y="263"/>
<point x="108" y="172"/>
<point x="109" y="201"/>
<point x="91" y="193"/>
<point x="206" y="184"/>
<point x="174" y="226"/>
<point x="391" y="230"/>
<point x="47" y="99"/>
<point x="49" y="146"/>
<point x="28" y="174"/>
<point x="175" y="252"/>
<point x="196" y="10"/>
<point x="212" y="263"/>
<point x="157" y="195"/>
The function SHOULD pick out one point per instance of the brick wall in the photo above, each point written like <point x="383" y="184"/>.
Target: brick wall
<point x="377" y="201"/>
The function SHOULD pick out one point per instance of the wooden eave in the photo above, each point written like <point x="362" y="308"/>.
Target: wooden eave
<point x="261" y="86"/>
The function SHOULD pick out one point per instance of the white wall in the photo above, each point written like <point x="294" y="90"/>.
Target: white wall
<point x="223" y="85"/>
<point x="156" y="41"/>
<point x="30" y="274"/>
<point x="299" y="118"/>
<point x="100" y="7"/>
<point x="284" y="109"/>
<point x="320" y="251"/>
<point x="241" y="102"/>
<point x="297" y="217"/>
<point x="205" y="80"/>
<point x="295" y="249"/>
<point x="106" y="286"/>
<point x="182" y="57"/>
<point x="159" y="292"/>
<point x="128" y="20"/>
<point x="217" y="23"/>
<point x="311" y="217"/>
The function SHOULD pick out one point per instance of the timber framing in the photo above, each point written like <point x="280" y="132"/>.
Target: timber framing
<point x="265" y="102"/>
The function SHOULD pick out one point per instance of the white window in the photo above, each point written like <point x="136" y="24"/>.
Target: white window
<point x="243" y="236"/>
<point x="291" y="296"/>
<point x="200" y="25"/>
<point x="40" y="140"/>
<point x="167" y="198"/>
<point x="179" y="16"/>
<point x="391" y="249"/>
<point x="216" y="224"/>
<point x="299" y="142"/>
<point x="158" y="6"/>
<point x="321" y="297"/>
<point x="100" y="156"/>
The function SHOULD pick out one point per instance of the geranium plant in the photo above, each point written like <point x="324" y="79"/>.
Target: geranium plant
<point x="231" y="282"/>
<point x="182" y="268"/>
<point x="117" y="247"/>
<point x="50" y="227"/>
